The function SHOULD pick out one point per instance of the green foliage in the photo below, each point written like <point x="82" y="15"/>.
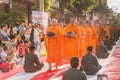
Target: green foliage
<point x="102" y="9"/>
<point x="64" y="4"/>
<point x="12" y="18"/>
<point x="47" y="5"/>
<point x="115" y="21"/>
<point x="81" y="6"/>
<point x="36" y="7"/>
<point x="3" y="17"/>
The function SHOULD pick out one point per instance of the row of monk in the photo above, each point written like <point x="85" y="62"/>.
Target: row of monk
<point x="73" y="40"/>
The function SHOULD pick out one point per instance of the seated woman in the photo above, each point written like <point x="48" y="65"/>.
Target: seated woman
<point x="7" y="58"/>
<point x="101" y="51"/>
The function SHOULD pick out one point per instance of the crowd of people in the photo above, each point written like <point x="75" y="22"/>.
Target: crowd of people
<point x="62" y="42"/>
<point x="15" y="43"/>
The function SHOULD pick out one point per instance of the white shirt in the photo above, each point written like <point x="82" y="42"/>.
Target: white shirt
<point x="3" y="56"/>
<point x="15" y="29"/>
<point x="36" y="36"/>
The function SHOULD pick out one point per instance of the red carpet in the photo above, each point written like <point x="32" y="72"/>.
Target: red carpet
<point x="5" y="75"/>
<point x="49" y="74"/>
<point x="45" y="75"/>
<point x="113" y="67"/>
<point x="54" y="74"/>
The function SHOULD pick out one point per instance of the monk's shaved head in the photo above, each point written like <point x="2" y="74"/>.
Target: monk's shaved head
<point x="54" y="19"/>
<point x="72" y="19"/>
<point x="54" y="22"/>
<point x="76" y="22"/>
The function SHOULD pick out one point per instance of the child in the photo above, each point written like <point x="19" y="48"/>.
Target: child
<point x="26" y="46"/>
<point x="18" y="38"/>
<point x="21" y="49"/>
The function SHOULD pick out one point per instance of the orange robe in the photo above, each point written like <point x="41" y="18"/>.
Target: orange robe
<point x="72" y="47"/>
<point x="84" y="38"/>
<point x="62" y="44"/>
<point x="107" y="30"/>
<point x="81" y="42"/>
<point x="98" y="34"/>
<point x="86" y="41"/>
<point x="53" y="45"/>
<point x="94" y="38"/>
<point x="88" y="38"/>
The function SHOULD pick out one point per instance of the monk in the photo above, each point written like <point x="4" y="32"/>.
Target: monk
<point x="93" y="37"/>
<point x="61" y="24"/>
<point x="81" y="39"/>
<point x="107" y="30"/>
<point x="72" y="38"/>
<point x="63" y="53"/>
<point x="53" y="40"/>
<point x="88" y="36"/>
<point x="83" y="33"/>
<point x="98" y="33"/>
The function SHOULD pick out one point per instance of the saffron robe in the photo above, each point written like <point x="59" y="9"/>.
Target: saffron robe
<point x="72" y="46"/>
<point x="53" y="45"/>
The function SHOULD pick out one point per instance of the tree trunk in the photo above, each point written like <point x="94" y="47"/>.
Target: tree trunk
<point x="62" y="6"/>
<point x="7" y="7"/>
<point x="29" y="7"/>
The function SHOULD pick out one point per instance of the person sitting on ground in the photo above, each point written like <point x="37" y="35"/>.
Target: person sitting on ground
<point x="112" y="40"/>
<point x="12" y="47"/>
<point x="6" y="56"/>
<point x="21" y="49"/>
<point x="26" y="46"/>
<point x="108" y="43"/>
<point x="73" y="73"/>
<point x="101" y="51"/>
<point x="90" y="62"/>
<point x="3" y="33"/>
<point x="12" y="43"/>
<point x="32" y="63"/>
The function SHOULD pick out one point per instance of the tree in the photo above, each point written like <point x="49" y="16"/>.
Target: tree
<point x="12" y="18"/>
<point x="29" y="4"/>
<point x="82" y="6"/>
<point x="102" y="9"/>
<point x="103" y="13"/>
<point x="47" y="5"/>
<point x="64" y="4"/>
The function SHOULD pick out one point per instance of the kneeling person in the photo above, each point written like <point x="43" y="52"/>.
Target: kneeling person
<point x="32" y="63"/>
<point x="101" y="51"/>
<point x="90" y="62"/>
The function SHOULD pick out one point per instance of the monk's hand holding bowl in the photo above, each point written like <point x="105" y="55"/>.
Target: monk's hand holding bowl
<point x="70" y="34"/>
<point x="55" y="36"/>
<point x="51" y="34"/>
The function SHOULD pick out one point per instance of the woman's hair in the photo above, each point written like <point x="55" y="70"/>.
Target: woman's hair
<point x="2" y="26"/>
